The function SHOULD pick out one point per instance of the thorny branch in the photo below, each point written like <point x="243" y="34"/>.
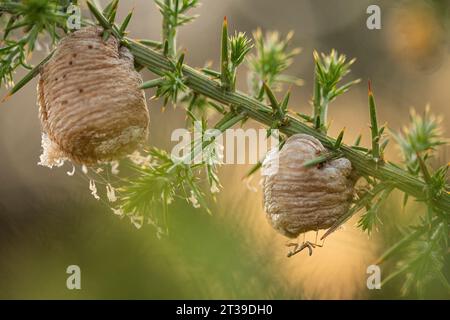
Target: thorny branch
<point x="427" y="242"/>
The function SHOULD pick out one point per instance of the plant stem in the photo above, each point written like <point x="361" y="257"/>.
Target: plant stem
<point x="225" y="57"/>
<point x="323" y="114"/>
<point x="256" y="110"/>
<point x="169" y="32"/>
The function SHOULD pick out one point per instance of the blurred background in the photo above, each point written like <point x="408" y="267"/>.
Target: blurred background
<point x="49" y="220"/>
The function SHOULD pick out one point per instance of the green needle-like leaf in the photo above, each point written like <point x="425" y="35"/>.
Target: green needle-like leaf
<point x="152" y="83"/>
<point x="126" y="21"/>
<point x="225" y="56"/>
<point x="357" y="141"/>
<point x="28" y="77"/>
<point x="338" y="142"/>
<point x="273" y="100"/>
<point x="374" y="126"/>
<point x="98" y="15"/>
<point x="322" y="158"/>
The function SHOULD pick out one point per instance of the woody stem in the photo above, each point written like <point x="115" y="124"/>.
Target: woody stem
<point x="363" y="163"/>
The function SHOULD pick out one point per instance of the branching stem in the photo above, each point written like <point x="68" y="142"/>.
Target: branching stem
<point x="363" y="163"/>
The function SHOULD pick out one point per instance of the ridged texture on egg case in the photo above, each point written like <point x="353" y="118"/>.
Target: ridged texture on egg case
<point x="299" y="199"/>
<point x="90" y="105"/>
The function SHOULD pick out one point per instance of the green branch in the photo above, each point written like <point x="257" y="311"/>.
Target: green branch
<point x="256" y="110"/>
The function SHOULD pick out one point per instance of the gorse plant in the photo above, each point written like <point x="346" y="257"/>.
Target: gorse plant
<point x="421" y="250"/>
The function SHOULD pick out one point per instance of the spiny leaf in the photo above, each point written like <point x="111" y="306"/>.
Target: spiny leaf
<point x="225" y="56"/>
<point x="28" y="77"/>
<point x="338" y="142"/>
<point x="374" y="126"/>
<point x="322" y="158"/>
<point x="272" y="57"/>
<point x="305" y="117"/>
<point x="111" y="8"/>
<point x="151" y="43"/>
<point x="240" y="46"/>
<point x="357" y="141"/>
<point x="285" y="102"/>
<point x="152" y="83"/>
<point x="112" y="16"/>
<point x="98" y="15"/>
<point x="105" y="35"/>
<point x="400" y="245"/>
<point x="166" y="48"/>
<point x="212" y="73"/>
<point x="360" y="149"/>
<point x="272" y="99"/>
<point x="330" y="70"/>
<point x="219" y="108"/>
<point x="370" y="218"/>
<point x="126" y="21"/>
<point x="360" y="204"/>
<point x="253" y="170"/>
<point x="180" y="61"/>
